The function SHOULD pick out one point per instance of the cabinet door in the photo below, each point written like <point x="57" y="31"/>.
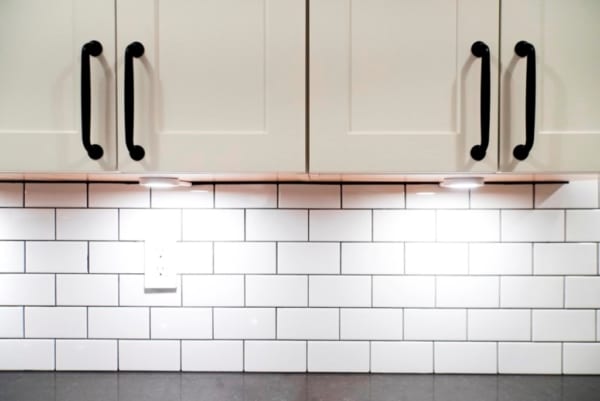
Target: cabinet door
<point x="40" y="84"/>
<point x="220" y="86"/>
<point x="566" y="36"/>
<point x="394" y="86"/>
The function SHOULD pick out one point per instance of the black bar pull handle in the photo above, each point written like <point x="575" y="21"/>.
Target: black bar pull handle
<point x="481" y="50"/>
<point x="526" y="49"/>
<point x="134" y="49"/>
<point x="90" y="49"/>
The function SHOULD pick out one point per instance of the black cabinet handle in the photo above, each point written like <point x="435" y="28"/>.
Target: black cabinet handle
<point x="135" y="49"/>
<point x="90" y="49"/>
<point x="526" y="49"/>
<point x="481" y="50"/>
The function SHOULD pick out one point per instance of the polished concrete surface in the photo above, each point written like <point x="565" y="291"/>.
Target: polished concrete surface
<point x="292" y="387"/>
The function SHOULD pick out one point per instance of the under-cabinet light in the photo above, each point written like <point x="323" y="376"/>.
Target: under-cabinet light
<point x="163" y="182"/>
<point x="462" y="182"/>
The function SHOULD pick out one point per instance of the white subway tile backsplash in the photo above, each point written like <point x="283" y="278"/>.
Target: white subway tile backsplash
<point x="193" y="257"/>
<point x="500" y="259"/>
<point x="272" y="290"/>
<point x="575" y="194"/>
<point x="244" y="323"/>
<point x="431" y="196"/>
<point x="308" y="258"/>
<point x="245" y="257"/>
<point x="132" y="292"/>
<point x="87" y="224"/>
<point x="26" y="289"/>
<point x="11" y="322"/>
<point x="149" y="355"/>
<point x="435" y="324"/>
<point x="404" y="292"/>
<point x="212" y="356"/>
<point x="11" y="194"/>
<point x="149" y="224"/>
<point x="308" y="323"/>
<point x="339" y="291"/>
<point x="29" y="224"/>
<point x="55" y="322"/>
<point x="582" y="292"/>
<point x="276" y="225"/>
<point x="531" y="292"/>
<point x="118" y="323"/>
<point x="181" y="323"/>
<point x="116" y="257"/>
<point x="467" y="292"/>
<point x="207" y="290"/>
<point x="404" y="225"/>
<point x="338" y="356"/>
<point x="275" y="356"/>
<point x="497" y="196"/>
<point x="91" y="355"/>
<point x="12" y="257"/>
<point x="340" y="225"/>
<point x="499" y="325"/>
<point x="583" y="225"/>
<point x="437" y="258"/>
<point x="55" y="195"/>
<point x="373" y="196"/>
<point x="565" y="259"/>
<point x="56" y="257"/>
<point x="303" y="196"/>
<point x="532" y="225"/>
<point x="246" y="196"/>
<point x="118" y="195"/>
<point x="371" y="324"/>
<point x="372" y="258"/>
<point x="89" y="290"/>
<point x="468" y="225"/>
<point x="27" y="354"/>
<point x="463" y="357"/>
<point x="529" y="358"/>
<point x="213" y="225"/>
<point x="196" y="196"/>
<point x="581" y="359"/>
<point x="564" y="325"/>
<point x="401" y="357"/>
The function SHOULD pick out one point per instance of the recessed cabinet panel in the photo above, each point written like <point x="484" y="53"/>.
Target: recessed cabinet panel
<point x="40" y="84"/>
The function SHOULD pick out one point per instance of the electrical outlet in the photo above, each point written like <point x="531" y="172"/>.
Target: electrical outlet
<point x="158" y="265"/>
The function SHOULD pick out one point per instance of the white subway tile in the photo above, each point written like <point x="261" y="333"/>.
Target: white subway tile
<point x="502" y="259"/>
<point x="575" y="194"/>
<point x="193" y="257"/>
<point x="132" y="292"/>
<point x="213" y="225"/>
<point x="565" y="259"/>
<point x="87" y="224"/>
<point x="51" y="322"/>
<point x="583" y="225"/>
<point x="11" y="322"/>
<point x="582" y="292"/>
<point x="340" y="225"/>
<point x="429" y="196"/>
<point x="213" y="356"/>
<point x="339" y="291"/>
<point x="153" y="224"/>
<point x="275" y="356"/>
<point x="11" y="194"/>
<point x="87" y="290"/>
<point x="468" y="225"/>
<point x="119" y="195"/>
<point x="26" y="289"/>
<point x="306" y="196"/>
<point x="245" y="257"/>
<point x="308" y="323"/>
<point x="12" y="257"/>
<point x="27" y="354"/>
<point x="531" y="292"/>
<point x="598" y="325"/>
<point x="451" y="357"/>
<point x="149" y="355"/>
<point x="116" y="257"/>
<point x="28" y="224"/>
<point x="529" y="358"/>
<point x="91" y="355"/>
<point x="244" y="323"/>
<point x="499" y="325"/>
<point x="370" y="258"/>
<point x="468" y="292"/>
<point x="340" y="356"/>
<point x="404" y="225"/>
<point x="371" y="324"/>
<point x="118" y="323"/>
<point x="492" y="196"/>
<point x="196" y="196"/>
<point x="55" y="195"/>
<point x="401" y="357"/>
<point x="246" y="196"/>
<point x="56" y="257"/>
<point x="267" y="290"/>
<point x="373" y="196"/>
<point x="181" y="323"/>
<point x="532" y="225"/>
<point x="436" y="258"/>
<point x="435" y="324"/>
<point x="276" y="225"/>
<point x="564" y="325"/>
<point x="404" y="291"/>
<point x="213" y="290"/>
<point x="581" y="359"/>
<point x="308" y="258"/>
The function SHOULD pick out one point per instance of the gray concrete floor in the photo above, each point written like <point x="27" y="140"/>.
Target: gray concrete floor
<point x="292" y="387"/>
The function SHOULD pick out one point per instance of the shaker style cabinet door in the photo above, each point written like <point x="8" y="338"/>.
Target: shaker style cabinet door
<point x="550" y="90"/>
<point x="50" y="114"/>
<point x="211" y="85"/>
<point x="395" y="86"/>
